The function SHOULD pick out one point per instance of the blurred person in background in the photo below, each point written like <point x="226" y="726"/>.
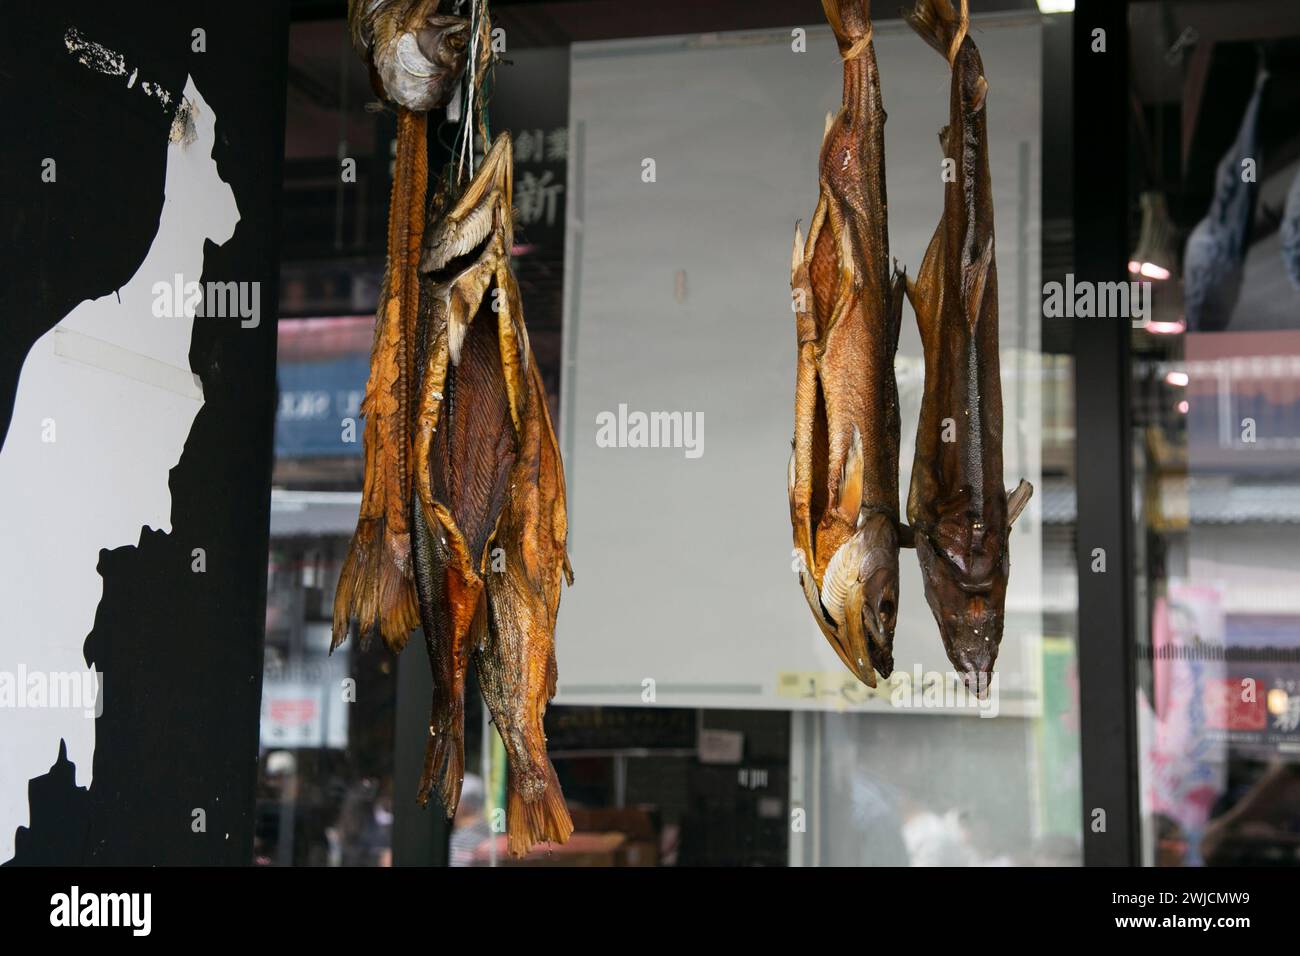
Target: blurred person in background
<point x="469" y="828"/>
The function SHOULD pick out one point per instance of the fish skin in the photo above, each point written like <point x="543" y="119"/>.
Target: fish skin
<point x="843" y="482"/>
<point x="1215" y="255"/>
<point x="958" y="510"/>
<point x="1290" y="233"/>
<point x="415" y="55"/>
<point x="376" y="587"/>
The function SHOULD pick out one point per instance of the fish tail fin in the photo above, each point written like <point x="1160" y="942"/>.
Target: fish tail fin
<point x="850" y="21"/>
<point x="356" y="603"/>
<point x="375" y="590"/>
<point x="939" y="25"/>
<point x="544" y="819"/>
<point x="399" y="608"/>
<point x="444" y="756"/>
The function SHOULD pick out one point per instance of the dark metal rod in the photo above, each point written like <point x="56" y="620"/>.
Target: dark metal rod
<point x="1107" y="704"/>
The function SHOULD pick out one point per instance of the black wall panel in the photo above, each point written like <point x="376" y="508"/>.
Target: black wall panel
<point x="182" y="651"/>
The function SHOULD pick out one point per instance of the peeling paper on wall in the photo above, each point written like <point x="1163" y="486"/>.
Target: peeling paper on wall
<point x="99" y="58"/>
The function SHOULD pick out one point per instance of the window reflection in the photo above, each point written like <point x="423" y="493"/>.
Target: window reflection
<point x="1217" y="414"/>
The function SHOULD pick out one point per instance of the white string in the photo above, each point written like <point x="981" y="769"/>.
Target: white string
<point x="466" y="152"/>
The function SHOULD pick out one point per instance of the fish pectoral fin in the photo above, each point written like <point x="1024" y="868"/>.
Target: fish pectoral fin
<point x="1017" y="499"/>
<point x="981" y="93"/>
<point x="851" y="477"/>
<point x="975" y="281"/>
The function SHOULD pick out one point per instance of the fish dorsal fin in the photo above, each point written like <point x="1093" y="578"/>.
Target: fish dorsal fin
<point x="897" y="293"/>
<point x="974" y="282"/>
<point x="797" y="253"/>
<point x="850" y="502"/>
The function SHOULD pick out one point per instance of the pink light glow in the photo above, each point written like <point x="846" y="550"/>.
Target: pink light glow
<point x="1183" y="406"/>
<point x="1153" y="271"/>
<point x="1177" y="379"/>
<point x="1166" y="328"/>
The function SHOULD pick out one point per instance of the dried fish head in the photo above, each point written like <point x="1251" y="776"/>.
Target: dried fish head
<point x="964" y="569"/>
<point x="415" y="54"/>
<point x="479" y="223"/>
<point x="878" y="575"/>
<point x="466" y="257"/>
<point x="859" y="598"/>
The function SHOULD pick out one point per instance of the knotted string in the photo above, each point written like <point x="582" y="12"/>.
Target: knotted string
<point x="859" y="46"/>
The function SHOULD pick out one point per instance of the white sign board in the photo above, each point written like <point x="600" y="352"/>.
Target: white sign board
<point x="678" y="301"/>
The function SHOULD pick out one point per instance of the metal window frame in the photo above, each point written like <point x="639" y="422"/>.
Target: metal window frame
<point x="1103" y="453"/>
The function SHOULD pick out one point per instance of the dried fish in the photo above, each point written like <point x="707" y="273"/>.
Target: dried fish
<point x="490" y="511"/>
<point x="848" y="305"/>
<point x="958" y="510"/>
<point x="1290" y="233"/>
<point x="516" y="667"/>
<point x="1215" y="257"/>
<point x="376" y="589"/>
<point x="463" y="450"/>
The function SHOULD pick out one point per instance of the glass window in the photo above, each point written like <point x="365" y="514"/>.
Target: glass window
<point x="1215" y="197"/>
<point x="701" y="717"/>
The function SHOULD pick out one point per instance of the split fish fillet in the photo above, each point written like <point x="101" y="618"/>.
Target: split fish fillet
<point x="489" y="508"/>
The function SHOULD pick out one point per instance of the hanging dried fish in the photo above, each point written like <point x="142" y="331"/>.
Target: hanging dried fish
<point x="848" y="305"/>
<point x="1290" y="233"/>
<point x="516" y="667"/>
<point x="463" y="522"/>
<point x="958" y="510"/>
<point x="376" y="589"/>
<point x="490" y="520"/>
<point x="1214" y="261"/>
